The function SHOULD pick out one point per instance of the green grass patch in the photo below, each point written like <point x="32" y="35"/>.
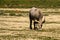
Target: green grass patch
<point x="30" y="3"/>
<point x="24" y="13"/>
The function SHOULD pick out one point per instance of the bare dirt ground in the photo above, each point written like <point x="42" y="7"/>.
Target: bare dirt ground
<point x="17" y="28"/>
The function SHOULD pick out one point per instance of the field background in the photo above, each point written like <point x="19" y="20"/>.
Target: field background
<point x="14" y="20"/>
<point x="14" y="25"/>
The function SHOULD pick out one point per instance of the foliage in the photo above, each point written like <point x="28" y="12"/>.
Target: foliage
<point x="29" y="3"/>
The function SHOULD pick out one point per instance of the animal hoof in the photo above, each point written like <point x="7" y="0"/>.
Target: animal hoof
<point x="30" y="28"/>
<point x="35" y="28"/>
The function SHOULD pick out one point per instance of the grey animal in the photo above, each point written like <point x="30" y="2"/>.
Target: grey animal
<point x="36" y="16"/>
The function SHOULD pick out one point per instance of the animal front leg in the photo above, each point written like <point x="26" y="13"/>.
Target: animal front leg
<point x="30" y="24"/>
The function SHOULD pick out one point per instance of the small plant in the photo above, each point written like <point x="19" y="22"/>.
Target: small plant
<point x="19" y="15"/>
<point x="46" y="14"/>
<point x="12" y="14"/>
<point x="1" y="12"/>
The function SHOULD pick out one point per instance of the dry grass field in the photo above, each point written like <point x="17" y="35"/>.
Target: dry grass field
<point x="17" y="28"/>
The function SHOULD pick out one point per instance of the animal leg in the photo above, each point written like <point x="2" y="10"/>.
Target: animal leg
<point x="35" y="25"/>
<point x="30" y="24"/>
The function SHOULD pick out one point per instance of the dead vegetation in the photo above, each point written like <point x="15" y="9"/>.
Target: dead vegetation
<point x="17" y="28"/>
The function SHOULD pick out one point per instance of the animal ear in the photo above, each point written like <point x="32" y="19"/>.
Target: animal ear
<point x="43" y="20"/>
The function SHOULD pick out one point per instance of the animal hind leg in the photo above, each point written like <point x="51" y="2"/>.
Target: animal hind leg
<point x="35" y="25"/>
